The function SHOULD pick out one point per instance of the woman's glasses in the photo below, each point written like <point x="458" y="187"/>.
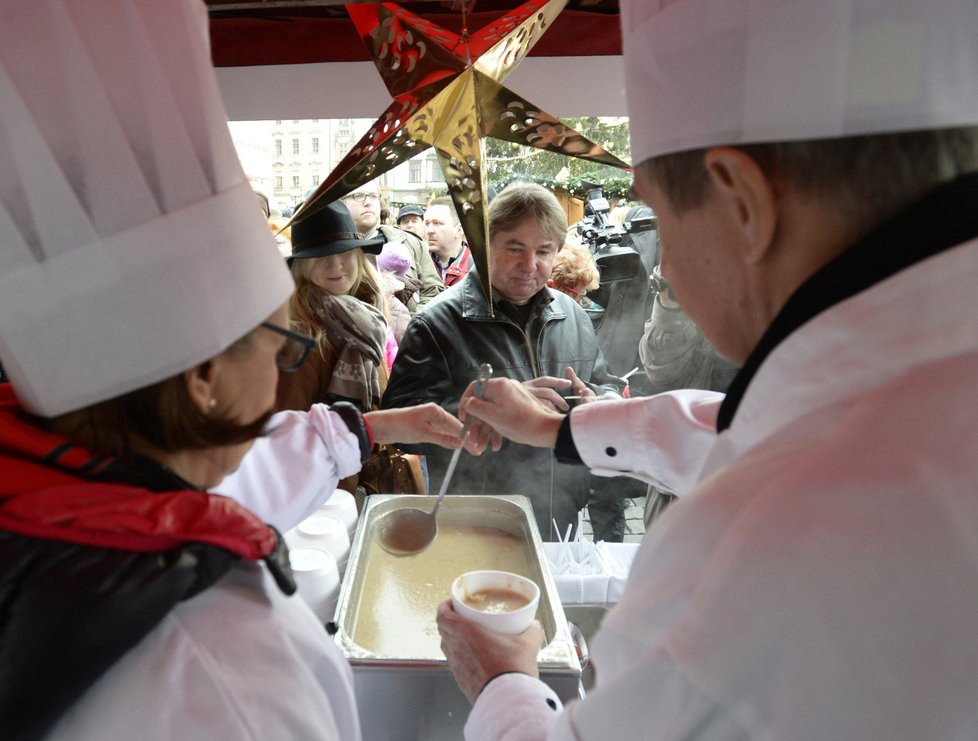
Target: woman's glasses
<point x="361" y="197"/>
<point x="292" y="354"/>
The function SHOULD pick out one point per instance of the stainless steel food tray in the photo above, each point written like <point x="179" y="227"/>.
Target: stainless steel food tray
<point x="404" y="698"/>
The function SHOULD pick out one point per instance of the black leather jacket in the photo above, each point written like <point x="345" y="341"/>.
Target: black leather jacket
<point x="441" y="352"/>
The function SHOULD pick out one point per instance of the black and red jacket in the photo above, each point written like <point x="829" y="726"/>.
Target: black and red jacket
<point x="457" y="269"/>
<point x="94" y="552"/>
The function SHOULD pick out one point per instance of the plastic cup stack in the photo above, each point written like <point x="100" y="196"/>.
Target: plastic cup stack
<point x="341" y="504"/>
<point x="318" y="580"/>
<point x="325" y="532"/>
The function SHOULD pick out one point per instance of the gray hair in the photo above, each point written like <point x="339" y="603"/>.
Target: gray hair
<point x="868" y="178"/>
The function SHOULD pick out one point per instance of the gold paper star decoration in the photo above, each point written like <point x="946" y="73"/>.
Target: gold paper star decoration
<point x="448" y="94"/>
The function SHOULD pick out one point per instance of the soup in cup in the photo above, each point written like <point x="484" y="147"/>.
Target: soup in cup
<point x="497" y="600"/>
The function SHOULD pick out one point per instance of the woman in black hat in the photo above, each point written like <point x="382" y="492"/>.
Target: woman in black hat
<point x="339" y="301"/>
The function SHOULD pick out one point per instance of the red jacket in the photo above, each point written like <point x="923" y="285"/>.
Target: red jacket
<point x="457" y="270"/>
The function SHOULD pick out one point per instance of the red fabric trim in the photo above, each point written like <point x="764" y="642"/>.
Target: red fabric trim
<point x="34" y="442"/>
<point x="133" y="519"/>
<point x="285" y="39"/>
<point x="572" y="292"/>
<point x="369" y="429"/>
<point x="42" y="501"/>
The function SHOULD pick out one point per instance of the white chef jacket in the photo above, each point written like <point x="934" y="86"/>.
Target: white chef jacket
<point x="240" y="660"/>
<point x="821" y="580"/>
<point x="293" y="469"/>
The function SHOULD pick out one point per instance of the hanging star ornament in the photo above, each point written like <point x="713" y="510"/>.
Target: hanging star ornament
<point x="448" y="94"/>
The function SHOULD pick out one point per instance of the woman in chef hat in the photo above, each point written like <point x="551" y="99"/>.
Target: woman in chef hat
<point x="143" y="326"/>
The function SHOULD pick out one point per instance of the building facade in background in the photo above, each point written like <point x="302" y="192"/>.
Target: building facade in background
<point x="285" y="159"/>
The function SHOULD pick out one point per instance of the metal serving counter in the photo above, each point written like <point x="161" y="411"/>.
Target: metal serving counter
<point x="404" y="687"/>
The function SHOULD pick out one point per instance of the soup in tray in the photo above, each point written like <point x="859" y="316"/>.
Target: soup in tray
<point x="400" y="595"/>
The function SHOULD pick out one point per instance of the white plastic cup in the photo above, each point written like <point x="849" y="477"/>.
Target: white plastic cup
<point x="318" y="580"/>
<point x="490" y="613"/>
<point x="341" y="504"/>
<point x="326" y="532"/>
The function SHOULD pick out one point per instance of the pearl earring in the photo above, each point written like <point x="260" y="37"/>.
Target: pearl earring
<point x="212" y="403"/>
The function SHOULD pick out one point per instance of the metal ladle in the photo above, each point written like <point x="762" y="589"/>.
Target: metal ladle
<point x="409" y="530"/>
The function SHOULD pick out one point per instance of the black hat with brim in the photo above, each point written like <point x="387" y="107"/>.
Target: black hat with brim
<point x="330" y="231"/>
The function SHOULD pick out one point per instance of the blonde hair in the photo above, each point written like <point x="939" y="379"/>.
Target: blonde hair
<point x="574" y="265"/>
<point x="617" y="215"/>
<point x="447" y="202"/>
<point x="367" y="287"/>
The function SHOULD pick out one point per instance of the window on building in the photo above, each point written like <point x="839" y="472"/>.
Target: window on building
<point x="315" y="179"/>
<point x="315" y="145"/>
<point x="278" y="121"/>
<point x="278" y="182"/>
<point x="278" y="146"/>
<point x="295" y="146"/>
<point x="434" y="171"/>
<point x="295" y="181"/>
<point x="414" y="171"/>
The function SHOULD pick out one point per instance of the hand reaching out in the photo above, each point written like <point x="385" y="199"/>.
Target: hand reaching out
<point x="509" y="409"/>
<point x="579" y="388"/>
<point x="425" y="423"/>
<point x="545" y="388"/>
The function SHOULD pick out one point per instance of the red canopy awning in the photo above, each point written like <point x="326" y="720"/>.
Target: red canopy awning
<point x="275" y="32"/>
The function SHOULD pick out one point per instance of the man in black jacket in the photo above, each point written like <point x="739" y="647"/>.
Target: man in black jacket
<point x="533" y="334"/>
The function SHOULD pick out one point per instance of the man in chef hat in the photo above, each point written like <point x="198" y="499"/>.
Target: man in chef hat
<point x="813" y="169"/>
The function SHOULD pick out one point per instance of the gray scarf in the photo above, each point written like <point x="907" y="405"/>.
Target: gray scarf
<point x="358" y="331"/>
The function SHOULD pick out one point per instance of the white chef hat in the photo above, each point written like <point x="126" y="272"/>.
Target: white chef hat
<point x="131" y="244"/>
<point x="707" y="72"/>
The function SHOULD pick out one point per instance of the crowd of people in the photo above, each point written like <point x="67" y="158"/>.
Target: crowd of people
<point x="175" y="394"/>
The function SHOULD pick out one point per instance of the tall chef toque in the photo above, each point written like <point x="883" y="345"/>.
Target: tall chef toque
<point x="701" y="73"/>
<point x="131" y="244"/>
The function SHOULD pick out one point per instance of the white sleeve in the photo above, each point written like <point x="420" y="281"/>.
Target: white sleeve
<point x="653" y="700"/>
<point x="513" y="707"/>
<point x="662" y="439"/>
<point x="293" y="469"/>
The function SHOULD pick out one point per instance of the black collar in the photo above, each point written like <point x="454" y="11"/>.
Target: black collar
<point x="145" y="472"/>
<point x="521" y="314"/>
<point x="944" y="218"/>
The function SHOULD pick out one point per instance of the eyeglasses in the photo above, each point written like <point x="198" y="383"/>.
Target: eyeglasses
<point x="292" y="354"/>
<point x="361" y="197"/>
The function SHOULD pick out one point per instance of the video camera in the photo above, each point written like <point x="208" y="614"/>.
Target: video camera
<point x="625" y="256"/>
<point x="611" y="245"/>
<point x="595" y="229"/>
